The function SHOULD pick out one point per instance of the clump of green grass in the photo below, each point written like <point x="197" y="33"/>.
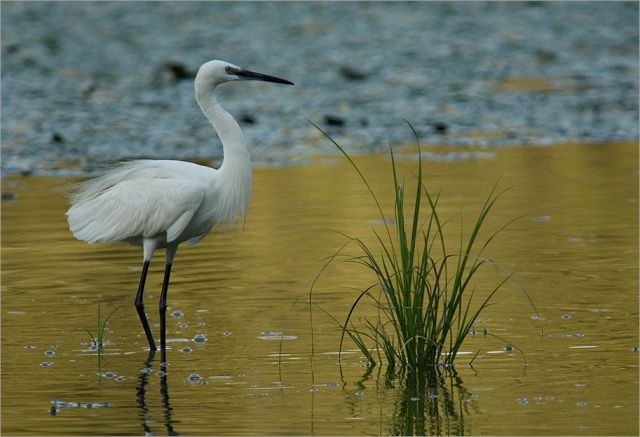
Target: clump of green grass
<point x="101" y="329"/>
<point x="424" y="293"/>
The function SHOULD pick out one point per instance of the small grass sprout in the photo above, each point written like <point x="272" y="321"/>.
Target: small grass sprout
<point x="101" y="329"/>
<point x="424" y="293"/>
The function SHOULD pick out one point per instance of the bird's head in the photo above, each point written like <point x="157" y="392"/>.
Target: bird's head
<point x="213" y="73"/>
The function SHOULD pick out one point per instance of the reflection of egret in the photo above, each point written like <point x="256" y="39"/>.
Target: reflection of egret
<point x="141" y="397"/>
<point x="159" y="204"/>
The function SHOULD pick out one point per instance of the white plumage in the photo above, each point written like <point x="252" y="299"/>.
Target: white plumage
<point x="166" y="201"/>
<point x="162" y="203"/>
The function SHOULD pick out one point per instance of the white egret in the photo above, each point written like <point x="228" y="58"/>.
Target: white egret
<point x="160" y="203"/>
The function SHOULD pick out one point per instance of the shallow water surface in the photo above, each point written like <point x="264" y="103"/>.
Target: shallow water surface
<point x="235" y="295"/>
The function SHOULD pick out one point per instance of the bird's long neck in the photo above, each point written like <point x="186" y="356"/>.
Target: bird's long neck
<point x="235" y="172"/>
<point x="234" y="146"/>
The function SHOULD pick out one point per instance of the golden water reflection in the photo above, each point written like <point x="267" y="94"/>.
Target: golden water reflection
<point x="574" y="249"/>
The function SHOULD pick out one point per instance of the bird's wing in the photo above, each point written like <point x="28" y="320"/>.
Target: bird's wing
<point x="137" y="208"/>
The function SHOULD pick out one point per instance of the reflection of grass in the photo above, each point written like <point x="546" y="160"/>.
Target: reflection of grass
<point x="424" y="293"/>
<point x="101" y="327"/>
<point x="430" y="405"/>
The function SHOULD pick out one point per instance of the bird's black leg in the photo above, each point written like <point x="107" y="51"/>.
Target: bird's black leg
<point x="163" y="313"/>
<point x="140" y="306"/>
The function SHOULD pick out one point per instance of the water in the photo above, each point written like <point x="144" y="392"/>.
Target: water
<point x="581" y="376"/>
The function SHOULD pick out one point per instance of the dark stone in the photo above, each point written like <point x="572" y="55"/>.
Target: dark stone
<point x="8" y="196"/>
<point x="351" y="73"/>
<point x="173" y="71"/>
<point x="511" y="135"/>
<point x="334" y="120"/>
<point x="88" y="89"/>
<point x="52" y="44"/>
<point x="11" y="48"/>
<point x="57" y="138"/>
<point x="545" y="56"/>
<point x="28" y="61"/>
<point x="247" y="118"/>
<point x="440" y="127"/>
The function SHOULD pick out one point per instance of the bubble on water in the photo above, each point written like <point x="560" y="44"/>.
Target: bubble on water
<point x="29" y="347"/>
<point x="109" y="375"/>
<point x="194" y="377"/>
<point x="58" y="404"/>
<point x="523" y="401"/>
<point x="433" y="396"/>
<point x="359" y="393"/>
<point x="226" y="333"/>
<point x="541" y="218"/>
<point x="177" y="314"/>
<point x="634" y="349"/>
<point x="120" y="379"/>
<point x="580" y="385"/>
<point x="200" y="338"/>
<point x="202" y="324"/>
<point x="414" y="398"/>
<point x="46" y="364"/>
<point x="581" y="404"/>
<point x="49" y="353"/>
<point x="566" y="335"/>
<point x="313" y="389"/>
<point x="537" y="398"/>
<point x="183" y="326"/>
<point x="548" y="398"/>
<point x="93" y="404"/>
<point x="146" y="370"/>
<point x="221" y="378"/>
<point x="537" y="317"/>
<point x="161" y="373"/>
<point x="100" y="404"/>
<point x="264" y="393"/>
<point x="253" y="385"/>
<point x="566" y="316"/>
<point x="186" y="350"/>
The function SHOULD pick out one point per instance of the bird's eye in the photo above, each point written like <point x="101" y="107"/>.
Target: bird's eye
<point x="227" y="69"/>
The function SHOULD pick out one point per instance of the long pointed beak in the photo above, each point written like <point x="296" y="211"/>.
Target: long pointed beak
<point x="252" y="75"/>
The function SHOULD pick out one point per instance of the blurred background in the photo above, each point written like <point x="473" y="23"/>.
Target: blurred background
<point x="84" y="83"/>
